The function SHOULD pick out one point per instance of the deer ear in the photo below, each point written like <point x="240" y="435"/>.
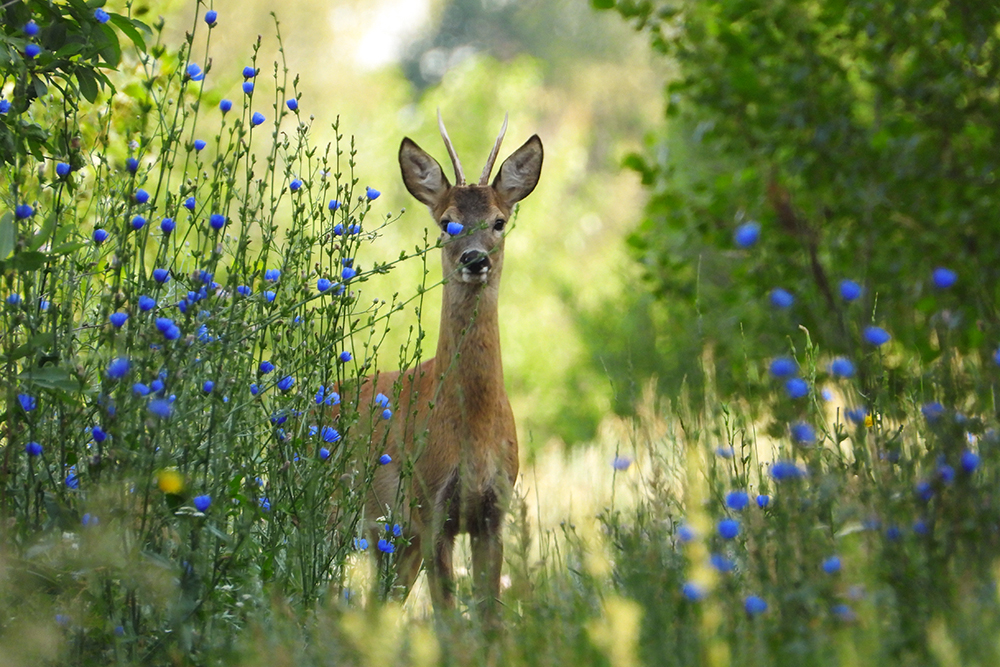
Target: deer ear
<point x="519" y="173"/>
<point x="422" y="174"/>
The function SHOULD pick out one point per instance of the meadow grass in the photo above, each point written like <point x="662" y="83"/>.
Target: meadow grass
<point x="184" y="461"/>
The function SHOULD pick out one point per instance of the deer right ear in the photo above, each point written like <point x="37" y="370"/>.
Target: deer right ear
<point x="422" y="174"/>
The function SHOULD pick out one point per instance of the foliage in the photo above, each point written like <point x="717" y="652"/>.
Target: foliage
<point x="859" y="137"/>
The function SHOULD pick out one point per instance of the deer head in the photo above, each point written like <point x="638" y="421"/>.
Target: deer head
<point x="474" y="256"/>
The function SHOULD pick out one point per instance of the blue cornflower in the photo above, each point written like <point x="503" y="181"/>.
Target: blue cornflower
<point x="138" y="222"/>
<point x="13" y="299"/>
<point x="781" y="298"/>
<point x="23" y="211"/>
<point x="101" y="16"/>
<point x="348" y="273"/>
<point x="721" y="563"/>
<point x="397" y="530"/>
<point x="876" y="336"/>
<point x="324" y="453"/>
<point x="385" y="546"/>
<point x="782" y="470"/>
<point x="161" y="275"/>
<point x="969" y="461"/>
<point x="272" y="275"/>
<point x="345" y="356"/>
<point x="323" y="284"/>
<point x="265" y="367"/>
<point x="372" y="193"/>
<point x="189" y="203"/>
<point x="211" y="16"/>
<point x="132" y="165"/>
<point x="292" y="104"/>
<point x="841" y="368"/>
<point x="217" y="220"/>
<point x="72" y="481"/>
<point x="856" y="415"/>
<point x="920" y="527"/>
<point x="333" y="205"/>
<point x="225" y="105"/>
<point x="944" y="278"/>
<point x="755" y="605"/>
<point x="295" y="184"/>
<point x="763" y="500"/>
<point x="286" y="383"/>
<point x="118" y="319"/>
<point x="194" y="72"/>
<point x="932" y="411"/>
<point x="63" y="169"/>
<point x="832" y="565"/>
<point x="454" y="228"/>
<point x="33" y="449"/>
<point x="139" y="389"/>
<point x="32" y="51"/>
<point x="31" y="28"/>
<point x="257" y="118"/>
<point x="385" y="459"/>
<point x="199" y="144"/>
<point x="329" y="434"/>
<point x="141" y="196"/>
<point x="946" y="473"/>
<point x="381" y="400"/>
<point x="747" y="234"/>
<point x="244" y="290"/>
<point x="783" y="367"/>
<point x="248" y="87"/>
<point x="265" y="504"/>
<point x="737" y="500"/>
<point x="208" y="386"/>
<point x="725" y="452"/>
<point x="99" y="434"/>
<point x="354" y="229"/>
<point x="202" y="503"/>
<point x="803" y="433"/>
<point x="360" y="543"/>
<point x="843" y="612"/>
<point x="249" y="72"/>
<point x="692" y="591"/>
<point x="100" y="236"/>
<point x="729" y="528"/>
<point x="338" y="229"/>
<point x="163" y="324"/>
<point x="118" y="368"/>
<point x="27" y="401"/>
<point x="270" y="295"/>
<point x="4" y="106"/>
<point x="796" y="387"/>
<point x="685" y="533"/>
<point x="387" y="414"/>
<point x="254" y="389"/>
<point x="161" y="407"/>
<point x="850" y="290"/>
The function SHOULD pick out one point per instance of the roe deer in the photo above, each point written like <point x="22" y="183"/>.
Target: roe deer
<point x="454" y="430"/>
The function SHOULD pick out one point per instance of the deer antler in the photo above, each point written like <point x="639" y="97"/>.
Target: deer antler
<point x="485" y="178"/>
<point x="459" y="176"/>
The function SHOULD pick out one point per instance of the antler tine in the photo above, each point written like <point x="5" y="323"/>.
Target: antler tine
<point x="485" y="178"/>
<point x="459" y="176"/>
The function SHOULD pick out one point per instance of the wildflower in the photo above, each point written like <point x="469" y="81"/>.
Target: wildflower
<point x="208" y="386"/>
<point x="244" y="290"/>
<point x="856" y="415"/>
<point x="118" y="368"/>
<point x="248" y="87"/>
<point x="189" y="203"/>
<point x="841" y="368"/>
<point x="385" y="546"/>
<point x="225" y="105"/>
<point x="338" y="229"/>
<point x="721" y="563"/>
<point x="782" y="470"/>
<point x="876" y="336"/>
<point x="170" y="481"/>
<point x="454" y="228"/>
<point x="249" y="72"/>
<point x="23" y="211"/>
<point x="211" y="16"/>
<point x="324" y="453"/>
<point x="99" y="434"/>
<point x="323" y="284"/>
<point x="132" y="165"/>
<point x="217" y="220"/>
<point x="944" y="278"/>
<point x="199" y="144"/>
<point x="118" y="319"/>
<point x="946" y="473"/>
<point x="265" y="504"/>
<point x="161" y="275"/>
<point x="156" y="385"/>
<point x="257" y="118"/>
<point x="924" y="491"/>
<point x="685" y="533"/>
<point x="725" y="452"/>
<point x="72" y="480"/>
<point x="729" y="528"/>
<point x="781" y="298"/>
<point x="843" y="612"/>
<point x="796" y="388"/>
<point x="692" y="591"/>
<point x="737" y="500"/>
<point x="13" y="299"/>
<point x="360" y="543"/>
<point x="333" y="205"/>
<point x="345" y="356"/>
<point x="101" y="16"/>
<point x="292" y="104"/>
<point x="747" y="234"/>
<point x="763" y="501"/>
<point x="286" y="383"/>
<point x="254" y="389"/>
<point x="4" y="106"/>
<point x="270" y="295"/>
<point x="783" y="367"/>
<point x="33" y="449"/>
<point x="31" y="28"/>
<point x="803" y="433"/>
<point x="755" y="605"/>
<point x="202" y="503"/>
<point x="89" y="519"/>
<point x="141" y="196"/>
<point x="850" y="290"/>
<point x="139" y="389"/>
<point x="892" y="533"/>
<point x="32" y="51"/>
<point x="161" y="407"/>
<point x="969" y="461"/>
<point x="272" y="275"/>
<point x="372" y="193"/>
<point x="138" y="222"/>
<point x="265" y="367"/>
<point x="385" y="459"/>
<point x="348" y="273"/>
<point x="295" y="185"/>
<point x="62" y="169"/>
<point x="27" y="401"/>
<point x="354" y="229"/>
<point x="832" y="565"/>
<point x="194" y="72"/>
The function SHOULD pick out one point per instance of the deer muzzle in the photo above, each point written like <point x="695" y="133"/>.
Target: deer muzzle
<point x="475" y="266"/>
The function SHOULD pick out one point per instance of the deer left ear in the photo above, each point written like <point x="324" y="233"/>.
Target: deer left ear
<point x="519" y="173"/>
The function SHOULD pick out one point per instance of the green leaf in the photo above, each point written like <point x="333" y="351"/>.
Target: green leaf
<point x="602" y="4"/>
<point x="37" y="343"/>
<point x="44" y="234"/>
<point x="87" y="84"/>
<point x="27" y="261"/>
<point x="131" y="28"/>
<point x="8" y="235"/>
<point x="67" y="248"/>
<point x="50" y="377"/>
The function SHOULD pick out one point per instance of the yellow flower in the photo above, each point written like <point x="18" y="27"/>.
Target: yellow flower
<point x="869" y="421"/>
<point x="170" y="481"/>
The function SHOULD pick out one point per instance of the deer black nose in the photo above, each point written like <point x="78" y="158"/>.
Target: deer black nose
<point x="475" y="261"/>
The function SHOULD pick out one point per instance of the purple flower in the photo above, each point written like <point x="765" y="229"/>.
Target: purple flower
<point x="257" y="118"/>
<point x="225" y="105"/>
<point x="293" y="104"/>
<point x="270" y="295"/>
<point x="139" y="389"/>
<point x="781" y="298"/>
<point x="360" y="543"/>
<point x="202" y="503"/>
<point x="4" y="106"/>
<point x="729" y="528"/>
<point x="721" y="563"/>
<point x="101" y="16"/>
<point x="372" y="193"/>
<point x="841" y="368"/>
<point x="99" y="434"/>
<point x="33" y="449"/>
<point x="737" y="500"/>
<point x="876" y="336"/>
<point x="118" y="319"/>
<point x="685" y="533"/>
<point x="850" y="290"/>
<point x="857" y="415"/>
<point x="385" y="459"/>
<point x="944" y="278"/>
<point x="747" y="234"/>
<point x="211" y="16"/>
<point x="454" y="228"/>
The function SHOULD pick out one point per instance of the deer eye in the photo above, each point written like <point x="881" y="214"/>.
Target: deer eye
<point x="499" y="225"/>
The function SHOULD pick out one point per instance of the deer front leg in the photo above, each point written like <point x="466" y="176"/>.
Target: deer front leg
<point x="487" y="559"/>
<point x="440" y="574"/>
